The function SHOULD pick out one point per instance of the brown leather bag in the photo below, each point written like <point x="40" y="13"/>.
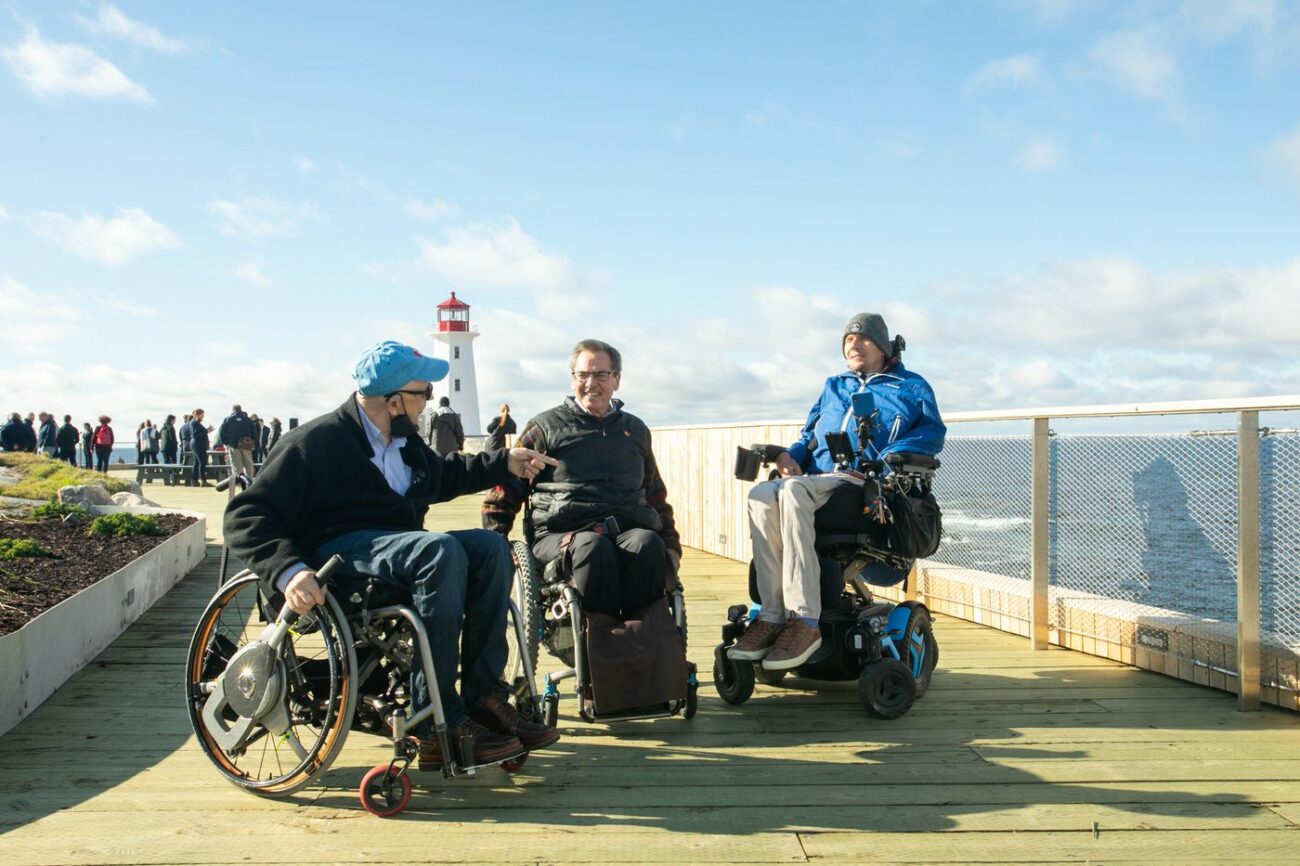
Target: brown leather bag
<point x="635" y="663"/>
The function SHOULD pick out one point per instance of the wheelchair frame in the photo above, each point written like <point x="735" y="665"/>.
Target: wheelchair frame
<point x="264" y="689"/>
<point x="530" y="586"/>
<point x="889" y="648"/>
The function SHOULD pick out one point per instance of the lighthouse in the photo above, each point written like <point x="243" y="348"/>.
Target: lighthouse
<point x="452" y="330"/>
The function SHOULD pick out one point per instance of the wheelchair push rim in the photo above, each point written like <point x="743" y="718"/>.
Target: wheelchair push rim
<point x="309" y="697"/>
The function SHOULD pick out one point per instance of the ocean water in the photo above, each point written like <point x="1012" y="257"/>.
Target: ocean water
<point x="1151" y="519"/>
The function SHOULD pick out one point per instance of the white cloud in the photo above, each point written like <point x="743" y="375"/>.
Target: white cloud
<point x="501" y="254"/>
<point x="1283" y="154"/>
<point x="1039" y="155"/>
<point x="306" y="165"/>
<point x="112" y="21"/>
<point x="130" y="307"/>
<point x="1020" y="70"/>
<point x="33" y="320"/>
<point x="260" y="216"/>
<point x="251" y="271"/>
<point x="1138" y="62"/>
<point x="271" y="388"/>
<point x="56" y="68"/>
<point x="427" y="210"/>
<point x="114" y="242"/>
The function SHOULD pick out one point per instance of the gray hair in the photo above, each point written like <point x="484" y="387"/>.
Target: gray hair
<point x="595" y="346"/>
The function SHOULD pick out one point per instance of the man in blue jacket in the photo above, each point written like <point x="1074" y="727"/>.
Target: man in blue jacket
<point x="781" y="511"/>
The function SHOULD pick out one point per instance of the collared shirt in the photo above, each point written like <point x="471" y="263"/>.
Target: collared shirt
<point x="388" y="457"/>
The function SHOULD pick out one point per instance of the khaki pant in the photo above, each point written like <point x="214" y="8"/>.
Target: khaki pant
<point x="241" y="461"/>
<point x="781" y="531"/>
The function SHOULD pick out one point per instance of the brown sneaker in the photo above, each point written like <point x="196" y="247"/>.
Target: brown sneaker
<point x="500" y="717"/>
<point x="797" y="643"/>
<point x="756" y="641"/>
<point x="489" y="748"/>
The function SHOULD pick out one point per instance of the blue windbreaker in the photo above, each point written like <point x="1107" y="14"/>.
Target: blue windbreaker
<point x="907" y="418"/>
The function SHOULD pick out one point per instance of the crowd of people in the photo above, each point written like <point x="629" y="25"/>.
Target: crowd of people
<point x="245" y="439"/>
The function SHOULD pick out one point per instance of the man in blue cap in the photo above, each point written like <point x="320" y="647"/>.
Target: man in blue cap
<point x="357" y="482"/>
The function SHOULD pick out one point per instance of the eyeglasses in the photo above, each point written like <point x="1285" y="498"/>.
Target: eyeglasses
<point x="427" y="393"/>
<point x="588" y="375"/>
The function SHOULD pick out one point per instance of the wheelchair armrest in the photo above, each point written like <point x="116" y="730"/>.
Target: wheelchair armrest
<point x="912" y="464"/>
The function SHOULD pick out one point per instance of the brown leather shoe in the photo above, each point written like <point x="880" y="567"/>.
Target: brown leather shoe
<point x="489" y="747"/>
<point x="500" y="717"/>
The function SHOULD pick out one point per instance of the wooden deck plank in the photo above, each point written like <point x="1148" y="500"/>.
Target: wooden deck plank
<point x="1011" y="757"/>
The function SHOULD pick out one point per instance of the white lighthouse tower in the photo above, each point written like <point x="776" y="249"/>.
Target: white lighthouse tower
<point x="461" y="387"/>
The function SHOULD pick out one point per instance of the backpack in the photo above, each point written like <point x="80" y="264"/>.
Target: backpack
<point x="103" y="435"/>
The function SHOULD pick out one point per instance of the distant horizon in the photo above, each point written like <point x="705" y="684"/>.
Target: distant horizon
<point x="1055" y="202"/>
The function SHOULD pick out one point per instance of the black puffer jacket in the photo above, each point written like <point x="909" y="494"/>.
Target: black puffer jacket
<point x="607" y="468"/>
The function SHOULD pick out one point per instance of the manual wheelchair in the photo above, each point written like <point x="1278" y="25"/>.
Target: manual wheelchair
<point x="552" y="615"/>
<point x="272" y="697"/>
<point x="889" y="649"/>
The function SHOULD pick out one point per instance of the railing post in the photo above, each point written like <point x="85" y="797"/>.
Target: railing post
<point x="1038" y="537"/>
<point x="1248" y="561"/>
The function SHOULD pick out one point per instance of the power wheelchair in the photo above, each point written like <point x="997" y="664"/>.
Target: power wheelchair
<point x="272" y="697"/>
<point x="889" y="649"/>
<point x="552" y="615"/>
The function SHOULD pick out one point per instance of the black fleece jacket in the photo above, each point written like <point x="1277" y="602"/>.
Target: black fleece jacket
<point x="319" y="483"/>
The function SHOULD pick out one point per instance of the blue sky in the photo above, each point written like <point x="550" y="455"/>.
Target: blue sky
<point x="1055" y="202"/>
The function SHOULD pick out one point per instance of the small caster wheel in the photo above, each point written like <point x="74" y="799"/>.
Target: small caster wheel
<point x="692" y="701"/>
<point x="385" y="791"/>
<point x="550" y="710"/>
<point x="886" y="688"/>
<point x="514" y="765"/>
<point x="733" y="680"/>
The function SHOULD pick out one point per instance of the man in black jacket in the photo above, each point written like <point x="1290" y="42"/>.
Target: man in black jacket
<point x="66" y="440"/>
<point x="199" y="448"/>
<point x="357" y="483"/>
<point x="606" y="469"/>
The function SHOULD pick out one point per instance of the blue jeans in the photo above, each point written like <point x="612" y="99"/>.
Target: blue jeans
<point x="459" y="583"/>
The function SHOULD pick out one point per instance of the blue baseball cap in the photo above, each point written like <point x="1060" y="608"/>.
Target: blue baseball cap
<point x="387" y="366"/>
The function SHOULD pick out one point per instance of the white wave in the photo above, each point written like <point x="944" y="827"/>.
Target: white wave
<point x="991" y="524"/>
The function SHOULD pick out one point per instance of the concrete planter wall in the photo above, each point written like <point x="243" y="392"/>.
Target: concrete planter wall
<point x="39" y="657"/>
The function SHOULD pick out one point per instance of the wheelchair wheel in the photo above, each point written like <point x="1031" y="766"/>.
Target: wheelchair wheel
<point x="766" y="677"/>
<point x="919" y="649"/>
<point x="692" y="701"/>
<point x="734" y="680"/>
<point x="527" y="594"/>
<point x="886" y="688"/>
<point x="385" y="791"/>
<point x="275" y="718"/>
<point x="550" y="710"/>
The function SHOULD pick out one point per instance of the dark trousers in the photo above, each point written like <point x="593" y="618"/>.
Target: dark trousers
<point x="199" y="466"/>
<point x="617" y="577"/>
<point x="102" y="453"/>
<point x="169" y="475"/>
<point x="88" y="455"/>
<point x="459" y="583"/>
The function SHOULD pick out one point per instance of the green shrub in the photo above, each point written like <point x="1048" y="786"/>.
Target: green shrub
<point x="41" y="477"/>
<point x="13" y="548"/>
<point x="123" y="524"/>
<point x="59" y="509"/>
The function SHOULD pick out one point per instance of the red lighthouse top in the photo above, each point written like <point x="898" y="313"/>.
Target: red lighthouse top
<point x="453" y="315"/>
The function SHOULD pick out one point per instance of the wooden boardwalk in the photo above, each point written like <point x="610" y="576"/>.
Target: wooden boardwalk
<point x="1013" y="756"/>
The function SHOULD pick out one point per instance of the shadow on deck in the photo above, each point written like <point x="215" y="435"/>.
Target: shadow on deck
<point x="1011" y="756"/>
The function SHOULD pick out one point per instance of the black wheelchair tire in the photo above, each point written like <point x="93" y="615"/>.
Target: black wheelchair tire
<point x="550" y="710"/>
<point x="734" y="680"/>
<point x="919" y="625"/>
<point x="886" y="688"/>
<point x="527" y="592"/>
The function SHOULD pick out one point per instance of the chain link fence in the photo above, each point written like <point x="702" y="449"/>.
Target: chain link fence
<point x="1139" y="525"/>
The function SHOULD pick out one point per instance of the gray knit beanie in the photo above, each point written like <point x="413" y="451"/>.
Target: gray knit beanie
<point x="873" y="327"/>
